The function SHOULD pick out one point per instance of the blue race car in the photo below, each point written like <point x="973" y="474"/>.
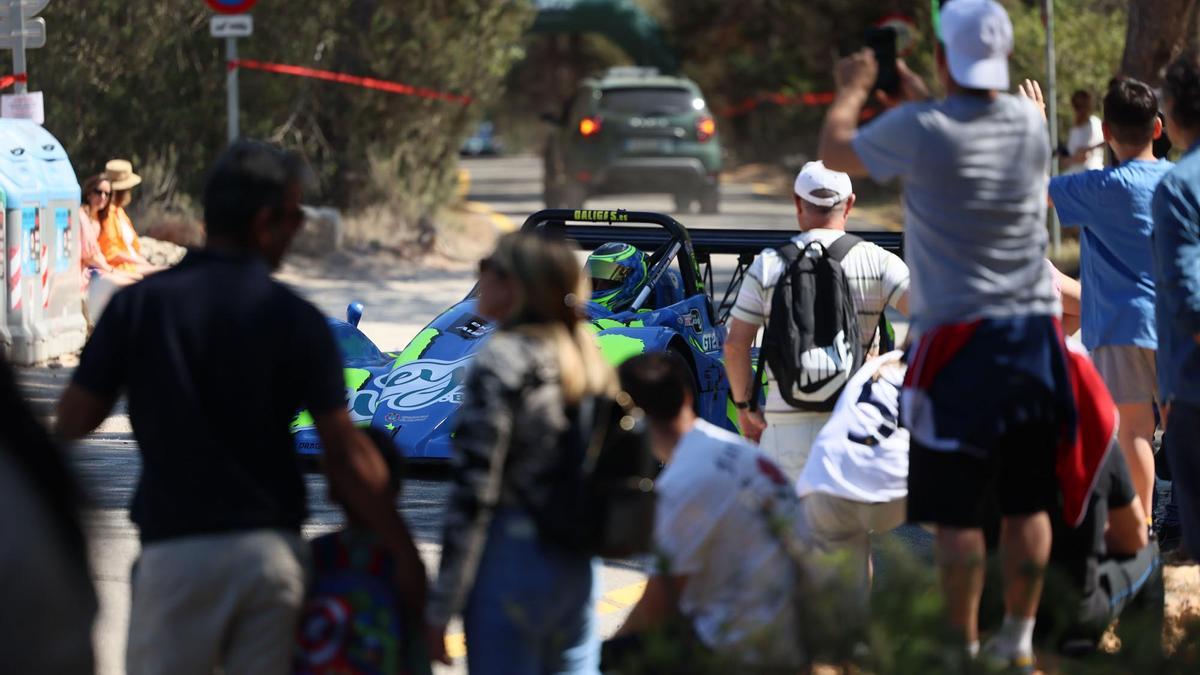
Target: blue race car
<point x="413" y="394"/>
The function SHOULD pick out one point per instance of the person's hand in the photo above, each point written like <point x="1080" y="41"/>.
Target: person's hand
<point x="752" y="424"/>
<point x="856" y="73"/>
<point x="435" y="642"/>
<point x="1031" y="90"/>
<point x="912" y="88"/>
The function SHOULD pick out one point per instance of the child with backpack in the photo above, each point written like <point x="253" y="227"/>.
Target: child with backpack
<point x="821" y="300"/>
<point x="353" y="620"/>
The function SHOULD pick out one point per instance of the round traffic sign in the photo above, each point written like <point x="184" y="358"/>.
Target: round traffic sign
<point x="231" y="6"/>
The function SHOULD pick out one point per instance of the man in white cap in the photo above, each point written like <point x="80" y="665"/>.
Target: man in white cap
<point x="986" y="398"/>
<point x="877" y="279"/>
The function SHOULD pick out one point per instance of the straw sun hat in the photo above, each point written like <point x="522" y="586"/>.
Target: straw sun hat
<point x="120" y="173"/>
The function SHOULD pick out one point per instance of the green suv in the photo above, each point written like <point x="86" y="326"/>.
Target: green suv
<point x="634" y="131"/>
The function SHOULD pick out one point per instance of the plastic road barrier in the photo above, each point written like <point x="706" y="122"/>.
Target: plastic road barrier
<point x="43" y="294"/>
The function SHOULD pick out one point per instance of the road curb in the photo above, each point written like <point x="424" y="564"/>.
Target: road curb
<point x="501" y="222"/>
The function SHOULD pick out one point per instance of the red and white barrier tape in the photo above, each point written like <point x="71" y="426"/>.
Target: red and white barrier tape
<point x="9" y="80"/>
<point x="45" y="262"/>
<point x="814" y="99"/>
<point x="355" y="80"/>
<point x="14" y="277"/>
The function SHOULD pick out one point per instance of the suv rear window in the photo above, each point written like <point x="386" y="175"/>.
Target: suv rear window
<point x="647" y="101"/>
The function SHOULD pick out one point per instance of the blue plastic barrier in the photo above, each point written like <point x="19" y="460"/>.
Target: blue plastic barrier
<point x="43" y="294"/>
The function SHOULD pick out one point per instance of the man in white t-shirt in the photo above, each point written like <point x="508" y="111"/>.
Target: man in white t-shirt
<point x="856" y="479"/>
<point x="823" y="200"/>
<point x="728" y="530"/>
<point x="1085" y="142"/>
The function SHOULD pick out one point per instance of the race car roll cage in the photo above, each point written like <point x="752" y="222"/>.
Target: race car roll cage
<point x="591" y="229"/>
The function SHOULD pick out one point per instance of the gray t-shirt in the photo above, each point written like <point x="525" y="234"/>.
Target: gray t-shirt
<point x="975" y="176"/>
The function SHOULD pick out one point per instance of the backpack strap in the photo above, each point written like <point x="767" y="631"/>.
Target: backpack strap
<point x="840" y="247"/>
<point x="791" y="254"/>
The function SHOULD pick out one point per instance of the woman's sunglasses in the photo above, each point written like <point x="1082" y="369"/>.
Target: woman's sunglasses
<point x="101" y="193"/>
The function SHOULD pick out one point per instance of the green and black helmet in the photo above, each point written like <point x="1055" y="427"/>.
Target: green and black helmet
<point x="618" y="273"/>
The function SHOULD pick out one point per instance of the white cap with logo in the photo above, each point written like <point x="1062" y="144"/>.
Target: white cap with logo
<point x="814" y="177"/>
<point x="978" y="37"/>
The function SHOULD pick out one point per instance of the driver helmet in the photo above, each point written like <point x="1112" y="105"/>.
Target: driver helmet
<point x="618" y="273"/>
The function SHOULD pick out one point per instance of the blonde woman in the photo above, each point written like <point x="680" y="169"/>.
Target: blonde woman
<point x="527" y="606"/>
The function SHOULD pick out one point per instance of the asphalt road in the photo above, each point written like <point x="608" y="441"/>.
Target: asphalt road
<point x="399" y="303"/>
<point x="512" y="186"/>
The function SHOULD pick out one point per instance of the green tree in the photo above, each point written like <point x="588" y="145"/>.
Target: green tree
<point x="146" y="81"/>
<point x="1088" y="39"/>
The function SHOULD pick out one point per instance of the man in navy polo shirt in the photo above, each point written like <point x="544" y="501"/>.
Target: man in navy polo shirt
<point x="216" y="357"/>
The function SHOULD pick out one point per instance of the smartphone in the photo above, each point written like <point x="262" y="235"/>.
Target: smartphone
<point x="882" y="41"/>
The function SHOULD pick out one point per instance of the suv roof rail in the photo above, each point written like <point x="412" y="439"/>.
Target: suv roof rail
<point x="631" y="71"/>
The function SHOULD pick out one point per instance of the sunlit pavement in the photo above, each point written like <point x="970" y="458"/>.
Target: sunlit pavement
<point x="398" y="305"/>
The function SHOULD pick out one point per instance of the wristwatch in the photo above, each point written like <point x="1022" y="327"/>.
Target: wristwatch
<point x="740" y="405"/>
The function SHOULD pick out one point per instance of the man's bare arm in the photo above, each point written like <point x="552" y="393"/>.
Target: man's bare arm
<point x="855" y="76"/>
<point x="80" y="412"/>
<point x="737" y="369"/>
<point x="659" y="602"/>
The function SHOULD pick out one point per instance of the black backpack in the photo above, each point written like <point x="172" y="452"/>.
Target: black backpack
<point x="812" y="341"/>
<point x="600" y="497"/>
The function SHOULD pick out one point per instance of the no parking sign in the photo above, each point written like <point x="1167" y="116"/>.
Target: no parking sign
<point x="231" y="6"/>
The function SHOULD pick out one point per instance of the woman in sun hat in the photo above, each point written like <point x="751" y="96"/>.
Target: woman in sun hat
<point x="100" y="279"/>
<point x="118" y="240"/>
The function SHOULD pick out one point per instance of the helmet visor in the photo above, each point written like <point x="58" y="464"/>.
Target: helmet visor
<point x="607" y="275"/>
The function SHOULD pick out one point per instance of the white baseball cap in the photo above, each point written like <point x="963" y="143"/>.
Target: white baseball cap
<point x="814" y="176"/>
<point x="978" y="37"/>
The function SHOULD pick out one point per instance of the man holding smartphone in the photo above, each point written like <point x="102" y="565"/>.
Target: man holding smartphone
<point x="986" y="398"/>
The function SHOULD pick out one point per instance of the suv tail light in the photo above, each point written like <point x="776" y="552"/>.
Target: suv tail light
<point x="706" y="128"/>
<point x="589" y="126"/>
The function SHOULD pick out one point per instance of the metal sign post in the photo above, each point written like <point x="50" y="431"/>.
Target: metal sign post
<point x="231" y="88"/>
<point x="231" y="23"/>
<point x="19" y="30"/>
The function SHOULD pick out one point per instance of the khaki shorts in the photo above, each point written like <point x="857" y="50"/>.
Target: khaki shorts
<point x="229" y="600"/>
<point x="836" y="521"/>
<point x="1129" y="372"/>
<point x="841" y="528"/>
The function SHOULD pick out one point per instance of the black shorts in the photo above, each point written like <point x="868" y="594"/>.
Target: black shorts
<point x="986" y="404"/>
<point x="957" y="489"/>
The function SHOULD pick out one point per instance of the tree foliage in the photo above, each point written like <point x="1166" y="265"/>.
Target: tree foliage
<point x="145" y="80"/>
<point x="739" y="50"/>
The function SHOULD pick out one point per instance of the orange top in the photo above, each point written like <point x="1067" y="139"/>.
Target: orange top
<point x="119" y="241"/>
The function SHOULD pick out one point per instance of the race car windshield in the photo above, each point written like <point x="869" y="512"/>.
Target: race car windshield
<point x="606" y="275"/>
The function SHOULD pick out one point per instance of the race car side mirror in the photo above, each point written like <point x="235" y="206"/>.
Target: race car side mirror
<point x="354" y="312"/>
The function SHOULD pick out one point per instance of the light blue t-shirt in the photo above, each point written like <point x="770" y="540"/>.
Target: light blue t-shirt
<point x="974" y="173"/>
<point x="1112" y="207"/>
